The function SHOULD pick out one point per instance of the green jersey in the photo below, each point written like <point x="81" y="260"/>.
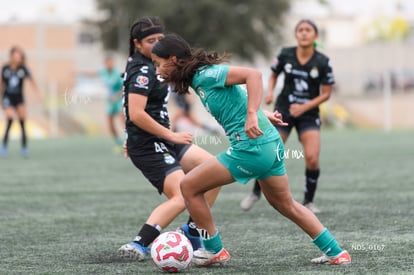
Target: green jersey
<point x="112" y="80"/>
<point x="228" y="104"/>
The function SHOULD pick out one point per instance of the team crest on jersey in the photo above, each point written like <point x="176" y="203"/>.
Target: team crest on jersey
<point x="168" y="158"/>
<point x="288" y="68"/>
<point x="142" y="82"/>
<point x="212" y="73"/>
<point x="314" y="73"/>
<point x="21" y="73"/>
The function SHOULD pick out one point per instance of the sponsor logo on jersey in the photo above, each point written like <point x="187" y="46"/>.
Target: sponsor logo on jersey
<point x="299" y="100"/>
<point x="168" y="158"/>
<point x="14" y="81"/>
<point x="244" y="170"/>
<point x="301" y="73"/>
<point x="144" y="69"/>
<point x="288" y="68"/>
<point x="160" y="79"/>
<point x="142" y="82"/>
<point x="300" y="85"/>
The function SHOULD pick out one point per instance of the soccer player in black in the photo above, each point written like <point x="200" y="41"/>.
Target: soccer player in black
<point x="13" y="75"/>
<point x="162" y="155"/>
<point x="307" y="84"/>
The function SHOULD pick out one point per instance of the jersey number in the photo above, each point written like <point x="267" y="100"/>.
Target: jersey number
<point x="160" y="147"/>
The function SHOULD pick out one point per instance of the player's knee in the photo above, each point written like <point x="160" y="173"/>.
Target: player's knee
<point x="286" y="208"/>
<point x="179" y="203"/>
<point x="312" y="162"/>
<point x="185" y="190"/>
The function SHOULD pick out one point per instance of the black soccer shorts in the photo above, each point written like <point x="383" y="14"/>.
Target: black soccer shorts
<point x="12" y="100"/>
<point x="157" y="159"/>
<point x="302" y="123"/>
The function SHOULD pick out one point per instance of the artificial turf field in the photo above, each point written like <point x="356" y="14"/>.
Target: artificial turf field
<point x="73" y="203"/>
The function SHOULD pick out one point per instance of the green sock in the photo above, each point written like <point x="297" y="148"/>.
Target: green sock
<point x="327" y="243"/>
<point x="213" y="243"/>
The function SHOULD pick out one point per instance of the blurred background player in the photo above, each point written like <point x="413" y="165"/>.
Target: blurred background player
<point x="13" y="75"/>
<point x="184" y="111"/>
<point x="112" y="79"/>
<point x="162" y="155"/>
<point x="307" y="84"/>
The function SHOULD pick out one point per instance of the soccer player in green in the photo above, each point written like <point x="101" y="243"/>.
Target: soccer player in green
<point x="256" y="148"/>
<point x="111" y="76"/>
<point x="112" y="79"/>
<point x="307" y="84"/>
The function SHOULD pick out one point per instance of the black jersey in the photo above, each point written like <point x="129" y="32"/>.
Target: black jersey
<point x="13" y="80"/>
<point x="302" y="82"/>
<point x="140" y="78"/>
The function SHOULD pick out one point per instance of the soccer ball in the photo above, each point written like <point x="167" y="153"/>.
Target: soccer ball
<point x="171" y="252"/>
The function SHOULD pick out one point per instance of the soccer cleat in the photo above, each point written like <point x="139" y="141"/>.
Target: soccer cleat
<point x="134" y="251"/>
<point x="247" y="203"/>
<point x="4" y="152"/>
<point x="341" y="259"/>
<point x="312" y="207"/>
<point x="203" y="257"/>
<point x="195" y="240"/>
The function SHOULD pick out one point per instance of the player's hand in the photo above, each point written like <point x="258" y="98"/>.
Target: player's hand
<point x="296" y="109"/>
<point x="124" y="146"/>
<point x="181" y="138"/>
<point x="251" y="126"/>
<point x="269" y="98"/>
<point x="275" y="118"/>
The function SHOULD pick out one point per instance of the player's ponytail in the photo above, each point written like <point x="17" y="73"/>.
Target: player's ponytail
<point x="142" y="28"/>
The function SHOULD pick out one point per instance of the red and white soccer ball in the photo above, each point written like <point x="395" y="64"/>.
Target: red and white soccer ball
<point x="172" y="252"/>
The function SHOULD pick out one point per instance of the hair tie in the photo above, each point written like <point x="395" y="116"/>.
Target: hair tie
<point x="318" y="45"/>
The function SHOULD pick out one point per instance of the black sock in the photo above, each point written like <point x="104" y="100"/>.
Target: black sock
<point x="256" y="189"/>
<point x="311" y="183"/>
<point x="192" y="227"/>
<point x="6" y="133"/>
<point x="147" y="235"/>
<point x="24" y="138"/>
